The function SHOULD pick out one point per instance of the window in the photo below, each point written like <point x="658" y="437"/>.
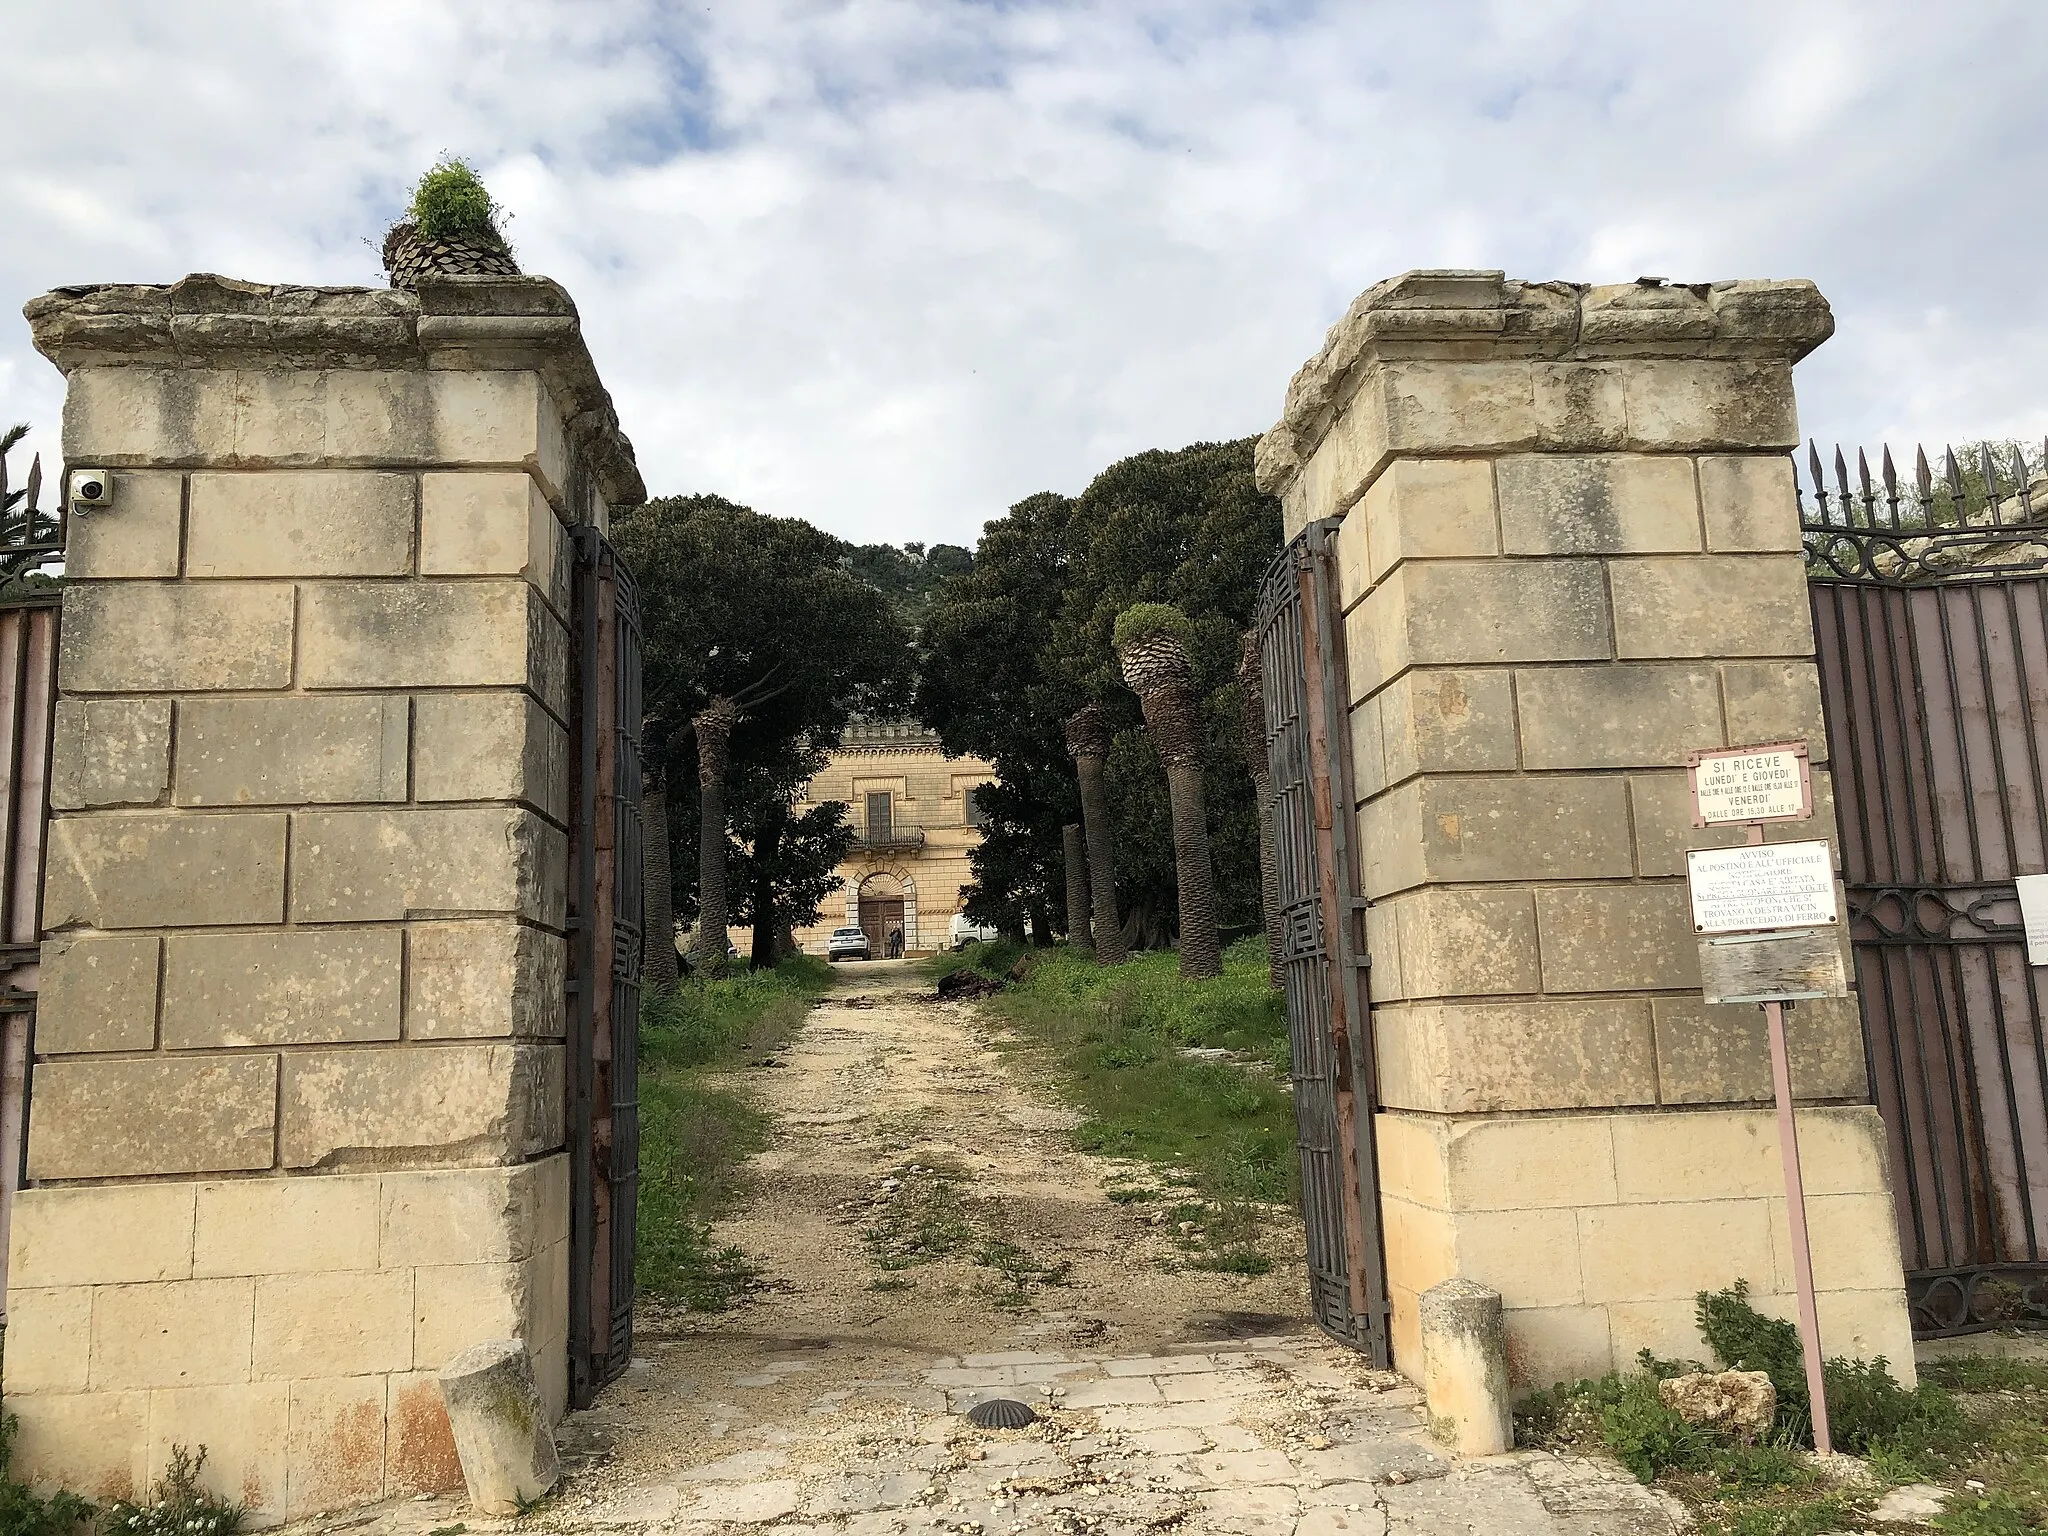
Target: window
<point x="977" y="813"/>
<point x="880" y="817"/>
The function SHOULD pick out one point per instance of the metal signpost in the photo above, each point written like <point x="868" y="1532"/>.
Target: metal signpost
<point x="1769" y="925"/>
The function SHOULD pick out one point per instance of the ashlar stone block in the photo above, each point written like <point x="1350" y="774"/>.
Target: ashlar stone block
<point x="1483" y="828"/>
<point x="95" y="1443"/>
<point x="105" y="1234"/>
<point x="97" y="994"/>
<point x="108" y="752"/>
<point x="1673" y="1250"/>
<point x="294" y="750"/>
<point x="117" y="415"/>
<point x="1447" y="720"/>
<point x="1429" y="509"/>
<point x="97" y="1119"/>
<point x="1580" y="407"/>
<point x="1733" y="1155"/>
<point x="1478" y="613"/>
<point x="136" y="535"/>
<point x="443" y="1104"/>
<point x="1751" y="504"/>
<point x="176" y="1333"/>
<point x="382" y="866"/>
<point x="473" y="1215"/>
<point x="1464" y="941"/>
<point x="433" y="634"/>
<point x="1711" y="606"/>
<point x="295" y="986"/>
<point x="339" y="1323"/>
<point x="490" y="523"/>
<point x="300" y="523"/>
<point x="1620" y="715"/>
<point x="459" y="1305"/>
<point x="1617" y="938"/>
<point x="49" y="1339"/>
<point x="1552" y="1162"/>
<point x="1682" y="405"/>
<point x="1720" y="1054"/>
<point x="1542" y="1053"/>
<point x="484" y="978"/>
<point x="149" y="871"/>
<point x="143" y="637"/>
<point x="1597" y="504"/>
<point x="491" y="746"/>
<point x="286" y="1226"/>
<point x="334" y="1443"/>
<point x="1769" y="701"/>
<point x="239" y="1426"/>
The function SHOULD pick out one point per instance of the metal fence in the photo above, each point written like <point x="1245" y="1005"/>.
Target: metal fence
<point x="1931" y="624"/>
<point x="31" y="545"/>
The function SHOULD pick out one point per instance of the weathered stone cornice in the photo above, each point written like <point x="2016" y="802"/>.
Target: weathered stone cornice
<point x="1457" y="316"/>
<point x="208" y="321"/>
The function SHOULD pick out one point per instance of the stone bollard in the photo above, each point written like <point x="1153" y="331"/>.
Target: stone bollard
<point x="501" y="1431"/>
<point x="1465" y="1368"/>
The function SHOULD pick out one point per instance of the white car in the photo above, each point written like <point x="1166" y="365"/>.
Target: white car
<point x="966" y="931"/>
<point x="847" y="944"/>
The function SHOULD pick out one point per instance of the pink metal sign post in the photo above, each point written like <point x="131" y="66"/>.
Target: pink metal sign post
<point x="1749" y="786"/>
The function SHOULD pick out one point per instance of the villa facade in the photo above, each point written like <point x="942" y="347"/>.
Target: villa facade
<point x="915" y="821"/>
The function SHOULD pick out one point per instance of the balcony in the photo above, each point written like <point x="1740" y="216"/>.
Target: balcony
<point x="891" y="835"/>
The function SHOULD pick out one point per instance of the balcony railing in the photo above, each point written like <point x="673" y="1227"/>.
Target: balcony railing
<point x="893" y="834"/>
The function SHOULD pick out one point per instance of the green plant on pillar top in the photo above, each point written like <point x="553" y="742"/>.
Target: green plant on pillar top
<point x="451" y="228"/>
<point x="1143" y="621"/>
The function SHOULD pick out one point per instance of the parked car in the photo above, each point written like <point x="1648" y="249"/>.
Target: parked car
<point x="847" y="944"/>
<point x="966" y="931"/>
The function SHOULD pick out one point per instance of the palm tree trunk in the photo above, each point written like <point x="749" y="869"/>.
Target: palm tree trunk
<point x="1080" y="931"/>
<point x="1109" y="935"/>
<point x="767" y="853"/>
<point x="1200" y="953"/>
<point x="714" y="739"/>
<point x="1251" y="679"/>
<point x="1175" y="727"/>
<point x="658" y="960"/>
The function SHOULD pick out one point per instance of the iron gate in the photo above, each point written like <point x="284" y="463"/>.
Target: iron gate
<point x="605" y="927"/>
<point x="31" y="539"/>
<point x="1301" y="659"/>
<point x="1931" y="623"/>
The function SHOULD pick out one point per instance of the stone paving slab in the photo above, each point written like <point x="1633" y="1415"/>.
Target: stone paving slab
<point x="1293" y="1438"/>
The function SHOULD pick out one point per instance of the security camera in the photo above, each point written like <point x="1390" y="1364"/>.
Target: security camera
<point x="91" y="489"/>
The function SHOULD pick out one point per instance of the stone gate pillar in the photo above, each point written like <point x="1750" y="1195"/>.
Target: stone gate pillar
<point x="297" y="1112"/>
<point x="1569" y="556"/>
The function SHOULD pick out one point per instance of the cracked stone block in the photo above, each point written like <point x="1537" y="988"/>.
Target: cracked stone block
<point x="1251" y="1511"/>
<point x="747" y="1504"/>
<point x="1246" y="1467"/>
<point x="1468" y="1504"/>
<point x="1367" y="1520"/>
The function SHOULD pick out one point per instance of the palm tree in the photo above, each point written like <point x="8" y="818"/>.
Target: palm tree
<point x="1074" y="845"/>
<point x="714" y="726"/>
<point x="1251" y="683"/>
<point x="1151" y="647"/>
<point x="1088" y="744"/>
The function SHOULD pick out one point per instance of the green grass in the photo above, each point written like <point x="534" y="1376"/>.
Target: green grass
<point x="1969" y="1421"/>
<point x="1222" y="1132"/>
<point x="697" y="1128"/>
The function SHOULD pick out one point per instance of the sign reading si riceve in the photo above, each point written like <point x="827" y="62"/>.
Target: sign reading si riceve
<point x="1765" y="885"/>
<point x="1769" y="783"/>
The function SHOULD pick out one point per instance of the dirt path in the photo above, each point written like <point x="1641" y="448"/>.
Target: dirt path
<point x="832" y="1402"/>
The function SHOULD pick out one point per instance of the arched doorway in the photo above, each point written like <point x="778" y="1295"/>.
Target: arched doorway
<point x="885" y="907"/>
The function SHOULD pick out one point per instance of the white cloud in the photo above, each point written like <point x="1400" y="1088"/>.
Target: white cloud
<point x="892" y="264"/>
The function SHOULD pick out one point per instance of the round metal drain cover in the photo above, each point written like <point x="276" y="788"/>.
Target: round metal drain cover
<point x="1001" y="1413"/>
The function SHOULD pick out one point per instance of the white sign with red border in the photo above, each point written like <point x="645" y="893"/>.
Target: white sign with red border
<point x="1751" y="784"/>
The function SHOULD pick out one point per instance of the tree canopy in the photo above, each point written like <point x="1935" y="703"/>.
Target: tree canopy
<point x="1013" y="647"/>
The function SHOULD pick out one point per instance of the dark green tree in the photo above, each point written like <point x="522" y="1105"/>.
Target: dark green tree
<point x="760" y="646"/>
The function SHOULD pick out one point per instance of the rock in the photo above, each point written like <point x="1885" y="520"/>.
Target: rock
<point x="963" y="984"/>
<point x="1740" y="1403"/>
<point x="502" y="1437"/>
<point x="1914" y="1503"/>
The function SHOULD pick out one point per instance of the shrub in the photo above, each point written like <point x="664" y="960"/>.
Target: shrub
<point x="177" y="1505"/>
<point x="1141" y="620"/>
<point x="1647" y="1437"/>
<point x="451" y="200"/>
<point x="22" y="1512"/>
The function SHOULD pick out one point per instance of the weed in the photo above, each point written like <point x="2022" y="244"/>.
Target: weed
<point x="1988" y="1514"/>
<point x="451" y="200"/>
<point x="176" y="1505"/>
<point x="1982" y="1373"/>
<point x="22" y="1511"/>
<point x="696" y="1132"/>
<point x="1112" y="1038"/>
<point x="1131" y="1194"/>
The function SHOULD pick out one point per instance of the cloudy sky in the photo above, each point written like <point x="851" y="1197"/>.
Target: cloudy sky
<point x="894" y="264"/>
